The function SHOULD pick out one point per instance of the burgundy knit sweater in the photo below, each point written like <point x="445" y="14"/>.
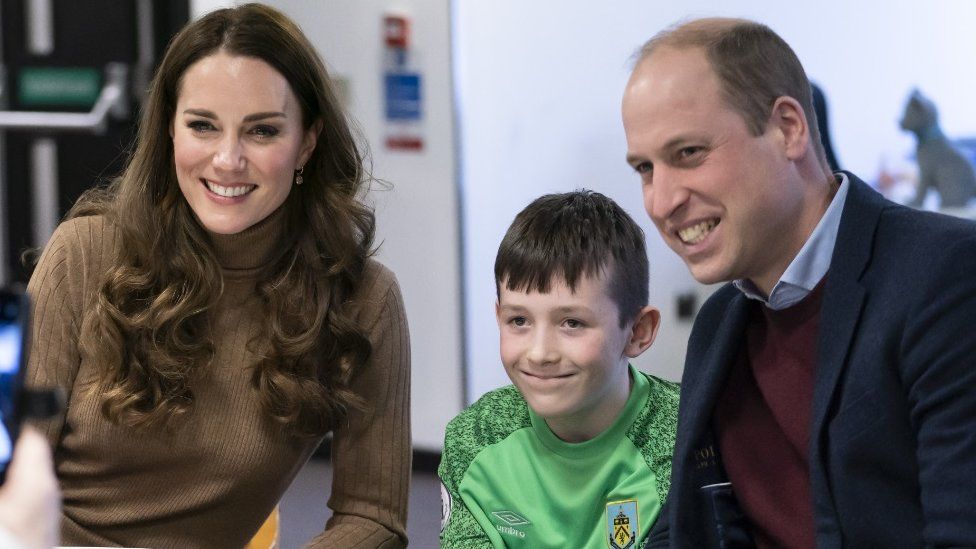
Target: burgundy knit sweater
<point x="762" y="421"/>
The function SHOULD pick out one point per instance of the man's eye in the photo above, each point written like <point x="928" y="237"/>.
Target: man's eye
<point x="689" y="152"/>
<point x="517" y="321"/>
<point x="573" y="323"/>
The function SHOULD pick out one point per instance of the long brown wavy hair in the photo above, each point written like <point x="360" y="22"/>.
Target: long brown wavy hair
<point x="149" y="328"/>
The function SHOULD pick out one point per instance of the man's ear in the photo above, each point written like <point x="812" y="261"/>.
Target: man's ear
<point x="788" y="118"/>
<point x="643" y="332"/>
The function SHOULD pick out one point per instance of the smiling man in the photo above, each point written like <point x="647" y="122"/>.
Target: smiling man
<point x="827" y="397"/>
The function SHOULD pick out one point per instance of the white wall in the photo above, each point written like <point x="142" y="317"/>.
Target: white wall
<point x="417" y="218"/>
<point x="539" y="86"/>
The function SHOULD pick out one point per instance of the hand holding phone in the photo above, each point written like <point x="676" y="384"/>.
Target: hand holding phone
<point x="30" y="501"/>
<point x="14" y="330"/>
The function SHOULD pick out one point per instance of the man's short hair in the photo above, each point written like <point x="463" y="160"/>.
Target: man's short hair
<point x="753" y="64"/>
<point x="572" y="235"/>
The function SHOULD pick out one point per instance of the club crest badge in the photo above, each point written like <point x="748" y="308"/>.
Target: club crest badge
<point x="622" y="526"/>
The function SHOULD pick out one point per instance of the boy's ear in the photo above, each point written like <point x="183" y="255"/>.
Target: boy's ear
<point x="498" y="314"/>
<point x="643" y="332"/>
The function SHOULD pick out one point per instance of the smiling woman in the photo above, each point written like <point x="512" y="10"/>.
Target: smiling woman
<point x="236" y="153"/>
<point x="214" y="312"/>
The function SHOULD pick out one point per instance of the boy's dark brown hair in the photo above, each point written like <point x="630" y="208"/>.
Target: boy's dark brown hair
<point x="572" y="235"/>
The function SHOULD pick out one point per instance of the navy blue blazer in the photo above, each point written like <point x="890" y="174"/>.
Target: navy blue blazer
<point x="893" y="433"/>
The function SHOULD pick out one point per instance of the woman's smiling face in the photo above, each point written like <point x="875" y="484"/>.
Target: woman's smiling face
<point x="238" y="138"/>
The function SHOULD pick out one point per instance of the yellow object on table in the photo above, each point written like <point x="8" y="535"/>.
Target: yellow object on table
<point x="267" y="536"/>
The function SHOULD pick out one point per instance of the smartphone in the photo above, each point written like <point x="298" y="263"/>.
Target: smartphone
<point x="14" y="330"/>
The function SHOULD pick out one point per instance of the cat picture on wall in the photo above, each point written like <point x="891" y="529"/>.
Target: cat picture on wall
<point x="941" y="166"/>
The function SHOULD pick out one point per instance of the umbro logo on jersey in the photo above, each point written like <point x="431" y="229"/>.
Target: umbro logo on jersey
<point x="510" y="518"/>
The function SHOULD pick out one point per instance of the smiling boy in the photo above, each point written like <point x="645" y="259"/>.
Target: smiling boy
<point x="577" y="453"/>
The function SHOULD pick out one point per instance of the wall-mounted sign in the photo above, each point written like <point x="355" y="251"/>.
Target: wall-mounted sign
<point x="402" y="87"/>
<point x="58" y="86"/>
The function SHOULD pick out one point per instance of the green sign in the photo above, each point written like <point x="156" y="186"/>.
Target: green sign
<point x="59" y="86"/>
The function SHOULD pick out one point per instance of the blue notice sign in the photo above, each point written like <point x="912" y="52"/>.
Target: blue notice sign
<point x="402" y="96"/>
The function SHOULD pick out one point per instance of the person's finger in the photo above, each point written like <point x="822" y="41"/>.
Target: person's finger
<point x="30" y="499"/>
<point x="31" y="460"/>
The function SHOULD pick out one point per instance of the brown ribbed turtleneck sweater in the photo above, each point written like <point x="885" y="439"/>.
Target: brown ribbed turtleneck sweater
<point x="213" y="480"/>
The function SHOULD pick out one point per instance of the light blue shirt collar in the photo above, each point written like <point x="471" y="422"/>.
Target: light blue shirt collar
<point x="810" y="265"/>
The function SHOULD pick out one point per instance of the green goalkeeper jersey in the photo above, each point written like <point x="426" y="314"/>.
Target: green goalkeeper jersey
<point x="508" y="481"/>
